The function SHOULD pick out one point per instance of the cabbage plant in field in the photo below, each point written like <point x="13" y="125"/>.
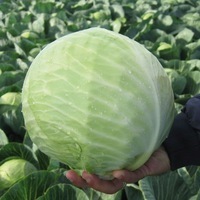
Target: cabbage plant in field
<point x="13" y="170"/>
<point x="98" y="101"/>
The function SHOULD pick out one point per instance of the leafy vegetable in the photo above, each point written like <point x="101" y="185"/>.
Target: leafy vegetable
<point x="12" y="170"/>
<point x="94" y="100"/>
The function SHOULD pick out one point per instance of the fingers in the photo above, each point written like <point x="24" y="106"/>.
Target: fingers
<point x="76" y="179"/>
<point x="93" y="181"/>
<point x="106" y="186"/>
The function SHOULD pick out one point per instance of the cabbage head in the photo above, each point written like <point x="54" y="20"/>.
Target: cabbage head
<point x="13" y="170"/>
<point x="97" y="101"/>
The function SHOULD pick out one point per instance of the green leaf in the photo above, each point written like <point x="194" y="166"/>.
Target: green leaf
<point x="96" y="195"/>
<point x="164" y="187"/>
<point x="11" y="77"/>
<point x="164" y="46"/>
<point x="178" y="107"/>
<point x="44" y="7"/>
<point x="43" y="159"/>
<point x="38" y="25"/>
<point x="82" y="4"/>
<point x="13" y="118"/>
<point x="3" y="138"/>
<point x="188" y="180"/>
<point x="185" y="35"/>
<point x="4" y="42"/>
<point x="196" y="197"/>
<point x="116" y="25"/>
<point x="22" y="65"/>
<point x="133" y="193"/>
<point x="193" y="49"/>
<point x="34" y="52"/>
<point x="27" y="141"/>
<point x="148" y="14"/>
<point x="16" y="87"/>
<point x="27" y="44"/>
<point x="192" y="64"/>
<point x="193" y="83"/>
<point x="29" y="35"/>
<point x="117" y="10"/>
<point x="19" y="50"/>
<point x="11" y="81"/>
<point x="178" y="81"/>
<point x="18" y="150"/>
<point x="165" y="20"/>
<point x="11" y="98"/>
<point x="192" y="19"/>
<point x="196" y="179"/>
<point x="191" y="175"/>
<point x="11" y="18"/>
<point x="6" y="67"/>
<point x="53" y="164"/>
<point x="64" y="192"/>
<point x="32" y="186"/>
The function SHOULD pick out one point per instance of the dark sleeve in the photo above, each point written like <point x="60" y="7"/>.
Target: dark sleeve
<point x="183" y="142"/>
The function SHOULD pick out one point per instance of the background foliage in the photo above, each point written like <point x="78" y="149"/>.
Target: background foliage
<point x="170" y="29"/>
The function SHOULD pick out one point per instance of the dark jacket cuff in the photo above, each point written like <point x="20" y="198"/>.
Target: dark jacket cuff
<point x="183" y="142"/>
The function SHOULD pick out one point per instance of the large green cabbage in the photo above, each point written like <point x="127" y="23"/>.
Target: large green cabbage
<point x="97" y="100"/>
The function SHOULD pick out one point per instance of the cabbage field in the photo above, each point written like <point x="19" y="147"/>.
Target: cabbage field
<point x="169" y="29"/>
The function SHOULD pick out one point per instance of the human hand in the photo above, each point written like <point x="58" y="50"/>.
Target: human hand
<point x="157" y="164"/>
